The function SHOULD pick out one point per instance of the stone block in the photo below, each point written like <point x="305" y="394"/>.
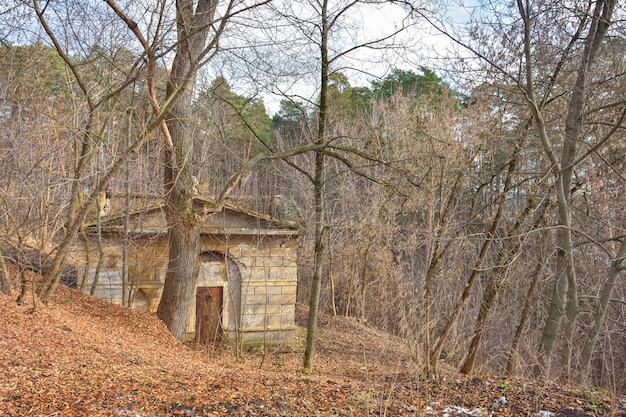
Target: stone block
<point x="290" y="263"/>
<point x="282" y="252"/>
<point x="273" y="320"/>
<point x="290" y="288"/>
<point x="262" y="337"/>
<point x="260" y="310"/>
<point x="253" y="251"/>
<point x="289" y="299"/>
<point x="254" y="300"/>
<point x="256" y="274"/>
<point x="267" y="321"/>
<point x="235" y="252"/>
<point x="267" y="290"/>
<point x="280" y="299"/>
<point x="288" y="314"/>
<point x="261" y="261"/>
<point x="279" y="273"/>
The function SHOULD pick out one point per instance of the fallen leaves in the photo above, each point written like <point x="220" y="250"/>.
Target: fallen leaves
<point x="80" y="356"/>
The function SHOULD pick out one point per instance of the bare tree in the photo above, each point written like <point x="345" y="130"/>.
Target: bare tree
<point x="553" y="74"/>
<point x="511" y="247"/>
<point x="317" y="25"/>
<point x="92" y="116"/>
<point x="565" y="296"/>
<point x="197" y="35"/>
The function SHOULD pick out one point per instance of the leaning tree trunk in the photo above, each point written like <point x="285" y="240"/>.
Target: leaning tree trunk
<point x="573" y="128"/>
<point x="565" y="296"/>
<point x="497" y="275"/>
<point x="435" y="253"/>
<point x="84" y="154"/>
<point x="617" y="266"/>
<point x="536" y="274"/>
<point x="75" y="217"/>
<point x="478" y="266"/>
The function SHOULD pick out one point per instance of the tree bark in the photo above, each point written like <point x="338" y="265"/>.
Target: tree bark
<point x="5" y="282"/>
<point x="364" y="276"/>
<point x="316" y="283"/>
<point x="126" y="288"/>
<point x="506" y="255"/>
<point x="333" y="306"/>
<point x="319" y="185"/>
<point x="179" y="288"/>
<point x="176" y="302"/>
<point x="484" y="251"/>
<point x="565" y="297"/>
<point x="99" y="263"/>
<point x="510" y="363"/>
<point x="617" y="266"/>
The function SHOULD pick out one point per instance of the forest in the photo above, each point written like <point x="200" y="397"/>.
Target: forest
<point x="467" y="196"/>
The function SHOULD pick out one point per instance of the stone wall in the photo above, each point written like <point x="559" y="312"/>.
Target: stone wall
<point x="258" y="274"/>
<point x="267" y="269"/>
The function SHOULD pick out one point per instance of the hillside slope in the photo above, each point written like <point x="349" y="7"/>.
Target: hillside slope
<point x="80" y="356"/>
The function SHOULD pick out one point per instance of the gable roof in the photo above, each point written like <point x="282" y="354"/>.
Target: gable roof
<point x="232" y="218"/>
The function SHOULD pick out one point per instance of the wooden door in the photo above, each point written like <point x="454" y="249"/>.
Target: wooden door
<point x="208" y="314"/>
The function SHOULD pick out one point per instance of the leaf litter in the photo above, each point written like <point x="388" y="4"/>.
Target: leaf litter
<point x="80" y="356"/>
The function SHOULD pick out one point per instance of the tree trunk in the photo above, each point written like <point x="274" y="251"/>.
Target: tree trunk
<point x="99" y="263"/>
<point x="333" y="306"/>
<point x="506" y="255"/>
<point x="488" y="297"/>
<point x="571" y="314"/>
<point x="316" y="283"/>
<point x="364" y="275"/>
<point x="617" y="266"/>
<point x="180" y="280"/>
<point x="178" y="296"/>
<point x="126" y="288"/>
<point x="52" y="277"/>
<point x="5" y="282"/>
<point x="510" y="363"/>
<point x="319" y="185"/>
<point x="484" y="251"/>
<point x="563" y="168"/>
<point x="84" y="275"/>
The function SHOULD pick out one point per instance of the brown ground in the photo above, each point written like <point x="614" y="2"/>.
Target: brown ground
<point x="84" y="357"/>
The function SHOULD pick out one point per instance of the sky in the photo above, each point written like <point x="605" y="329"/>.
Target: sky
<point x="426" y="46"/>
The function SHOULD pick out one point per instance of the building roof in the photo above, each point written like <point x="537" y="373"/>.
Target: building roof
<point x="230" y="218"/>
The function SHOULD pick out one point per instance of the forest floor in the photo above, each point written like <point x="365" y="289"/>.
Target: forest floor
<point x="80" y="356"/>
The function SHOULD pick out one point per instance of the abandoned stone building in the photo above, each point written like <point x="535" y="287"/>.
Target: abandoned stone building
<point x="246" y="289"/>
